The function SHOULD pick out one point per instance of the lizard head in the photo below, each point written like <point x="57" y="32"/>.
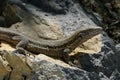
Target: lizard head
<point x="90" y="32"/>
<point x="81" y="35"/>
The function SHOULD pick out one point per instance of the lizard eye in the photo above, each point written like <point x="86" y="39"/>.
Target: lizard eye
<point x="81" y="35"/>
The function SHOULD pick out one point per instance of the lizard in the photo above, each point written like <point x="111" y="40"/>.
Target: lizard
<point x="53" y="48"/>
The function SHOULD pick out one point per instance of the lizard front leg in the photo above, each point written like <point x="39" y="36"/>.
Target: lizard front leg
<point x="21" y="45"/>
<point x="66" y="58"/>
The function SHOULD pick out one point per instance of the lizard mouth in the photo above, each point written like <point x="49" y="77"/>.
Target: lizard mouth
<point x="95" y="31"/>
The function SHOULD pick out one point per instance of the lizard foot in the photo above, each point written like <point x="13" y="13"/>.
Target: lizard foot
<point x="74" y="65"/>
<point x="21" y="51"/>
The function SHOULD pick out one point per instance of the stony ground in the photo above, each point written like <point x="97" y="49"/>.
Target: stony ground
<point x="98" y="58"/>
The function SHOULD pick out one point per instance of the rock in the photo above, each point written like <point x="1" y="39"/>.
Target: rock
<point x="118" y="47"/>
<point x="13" y="68"/>
<point x="54" y="6"/>
<point x="106" y="61"/>
<point x="48" y="68"/>
<point x="4" y="46"/>
<point x="1" y="6"/>
<point x="91" y="46"/>
<point x="3" y="71"/>
<point x="104" y="65"/>
<point x="115" y="75"/>
<point x="109" y="10"/>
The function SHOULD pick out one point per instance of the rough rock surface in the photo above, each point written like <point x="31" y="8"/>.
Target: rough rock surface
<point x="107" y="14"/>
<point x="43" y="67"/>
<point x="105" y="61"/>
<point x="103" y="65"/>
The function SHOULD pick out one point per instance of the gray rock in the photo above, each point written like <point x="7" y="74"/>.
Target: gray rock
<point x="115" y="75"/>
<point x="102" y="66"/>
<point x="118" y="47"/>
<point x="45" y="70"/>
<point x="105" y="61"/>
